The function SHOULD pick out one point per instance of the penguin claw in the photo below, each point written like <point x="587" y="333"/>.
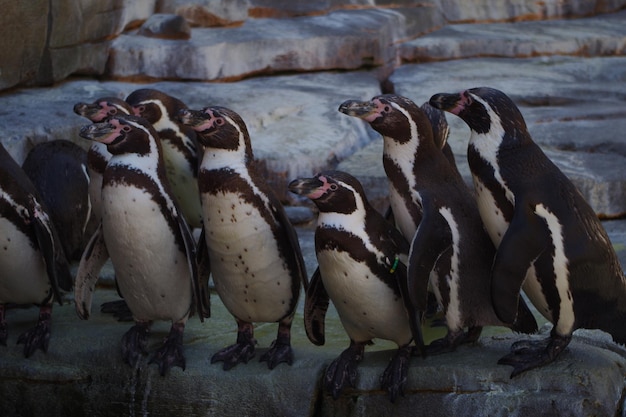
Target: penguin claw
<point x="393" y="380"/>
<point x="134" y="343"/>
<point x="278" y="352"/>
<point x="452" y="340"/>
<point x="37" y="337"/>
<point x="119" y="309"/>
<point x="171" y="353"/>
<point x="240" y="352"/>
<point x="530" y="354"/>
<point x="342" y="371"/>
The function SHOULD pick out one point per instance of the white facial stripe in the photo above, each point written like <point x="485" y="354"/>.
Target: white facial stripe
<point x="453" y="313"/>
<point x="145" y="163"/>
<point x="23" y="211"/>
<point x="560" y="266"/>
<point x="487" y="144"/>
<point x="353" y="223"/>
<point x="165" y="123"/>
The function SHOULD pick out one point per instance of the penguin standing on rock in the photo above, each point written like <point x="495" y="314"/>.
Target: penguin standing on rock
<point x="179" y="144"/>
<point x="435" y="208"/>
<point x="360" y="270"/>
<point x="549" y="241"/>
<point x="33" y="266"/>
<point x="255" y="257"/>
<point x="148" y="241"/>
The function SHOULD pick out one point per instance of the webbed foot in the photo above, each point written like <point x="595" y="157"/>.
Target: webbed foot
<point x="394" y="378"/>
<point x="240" y="352"/>
<point x="452" y="340"/>
<point x="39" y="336"/>
<point x="134" y="343"/>
<point x="118" y="308"/>
<point x="171" y="353"/>
<point x="280" y="350"/>
<point x="342" y="371"/>
<point x="529" y="354"/>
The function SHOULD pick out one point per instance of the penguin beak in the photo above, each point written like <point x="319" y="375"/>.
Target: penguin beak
<point x="192" y="118"/>
<point x="307" y="187"/>
<point x="99" y="132"/>
<point x="360" y="109"/>
<point x="452" y="103"/>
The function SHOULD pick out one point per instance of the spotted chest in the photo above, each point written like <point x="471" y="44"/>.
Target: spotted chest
<point x="250" y="275"/>
<point x="368" y="308"/>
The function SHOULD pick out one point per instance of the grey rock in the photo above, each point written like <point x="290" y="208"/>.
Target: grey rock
<point x="208" y="13"/>
<point x="165" y="26"/>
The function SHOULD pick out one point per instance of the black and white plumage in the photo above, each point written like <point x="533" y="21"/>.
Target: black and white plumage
<point x="436" y="211"/>
<point x="58" y="170"/>
<point x="255" y="257"/>
<point x="179" y="144"/>
<point x="549" y="241"/>
<point x="98" y="156"/>
<point x="362" y="270"/>
<point x="147" y="239"/>
<point x="33" y="266"/>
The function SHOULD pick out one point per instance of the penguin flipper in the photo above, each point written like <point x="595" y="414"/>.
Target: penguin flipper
<point x="510" y="264"/>
<point x="315" y="307"/>
<point x="204" y="271"/>
<point x="56" y="263"/>
<point x="432" y="238"/>
<point x="283" y="220"/>
<point x="192" y="263"/>
<point x="91" y="262"/>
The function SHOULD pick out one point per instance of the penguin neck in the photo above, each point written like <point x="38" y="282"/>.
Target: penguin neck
<point x="216" y="159"/>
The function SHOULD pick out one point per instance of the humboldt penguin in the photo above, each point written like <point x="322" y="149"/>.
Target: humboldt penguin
<point x="33" y="266"/>
<point x="255" y="257"/>
<point x="549" y="241"/>
<point x="179" y="145"/>
<point x="436" y="210"/>
<point x="147" y="239"/>
<point x="361" y="259"/>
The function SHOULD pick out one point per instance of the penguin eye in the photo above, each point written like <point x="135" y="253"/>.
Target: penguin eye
<point x="112" y="111"/>
<point x="333" y="187"/>
<point x="219" y="121"/>
<point x="125" y="128"/>
<point x="141" y="109"/>
<point x="387" y="109"/>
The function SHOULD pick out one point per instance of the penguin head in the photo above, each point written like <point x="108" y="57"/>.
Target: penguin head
<point x="331" y="191"/>
<point x="219" y="128"/>
<point x="122" y="134"/>
<point x="102" y="109"/>
<point x="392" y="116"/>
<point x="483" y="108"/>
<point x="154" y="105"/>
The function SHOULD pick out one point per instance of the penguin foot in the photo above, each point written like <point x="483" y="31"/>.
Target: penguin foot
<point x="452" y="340"/>
<point x="118" y="308"/>
<point x="342" y="371"/>
<point x="134" y="343"/>
<point x="240" y="352"/>
<point x="394" y="378"/>
<point x="171" y="353"/>
<point x="39" y="336"/>
<point x="529" y="354"/>
<point x="278" y="352"/>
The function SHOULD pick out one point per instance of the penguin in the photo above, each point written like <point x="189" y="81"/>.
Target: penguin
<point x="437" y="212"/>
<point x="98" y="156"/>
<point x="549" y="241"/>
<point x="362" y="270"/>
<point x="58" y="170"/>
<point x="253" y="249"/>
<point x="147" y="239"/>
<point x="97" y="159"/>
<point x="33" y="266"/>
<point x="179" y="145"/>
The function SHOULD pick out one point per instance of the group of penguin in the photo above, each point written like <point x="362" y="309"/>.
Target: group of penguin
<point x="156" y="170"/>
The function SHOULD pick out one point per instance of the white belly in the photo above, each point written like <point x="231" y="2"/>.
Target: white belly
<point x="402" y="215"/>
<point x="151" y="272"/>
<point x="367" y="307"/>
<point x="493" y="218"/>
<point x="23" y="276"/>
<point x="251" y="279"/>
